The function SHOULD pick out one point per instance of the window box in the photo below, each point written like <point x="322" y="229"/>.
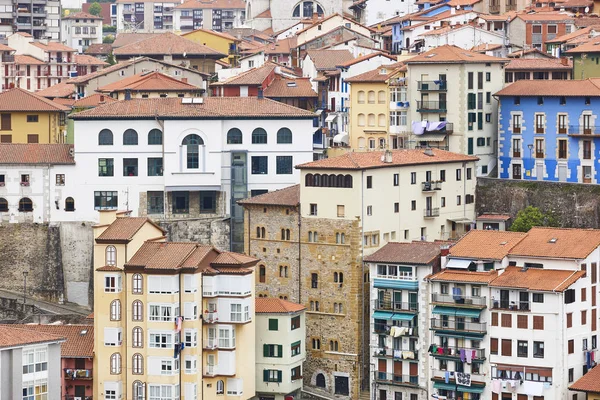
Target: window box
<point x="22" y="184"/>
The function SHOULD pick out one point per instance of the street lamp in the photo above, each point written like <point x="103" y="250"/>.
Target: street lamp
<point x="24" y="286"/>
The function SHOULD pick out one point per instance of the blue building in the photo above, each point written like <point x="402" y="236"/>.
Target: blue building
<point x="548" y="131"/>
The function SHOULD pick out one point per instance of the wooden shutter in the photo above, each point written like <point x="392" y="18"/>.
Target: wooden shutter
<point x="494" y="319"/>
<point x="279" y="350"/>
<point x="494" y="346"/>
<point x="571" y="346"/>
<point x="5" y="138"/>
<point x="583" y="294"/>
<point x="583" y="317"/>
<point x="521" y="397"/>
<point x="594" y="268"/>
<point x="265" y="350"/>
<point x="494" y="396"/>
<point x="538" y="322"/>
<point x="398" y="368"/>
<point x="507" y="347"/>
<point x="584" y="269"/>
<point x="382" y="365"/>
<point x="506" y="320"/>
<point x="279" y="376"/>
<point x="33" y="138"/>
<point x="594" y="320"/>
<point x="522" y="321"/>
<point x="273" y="324"/>
<point x="569" y="320"/>
<point x="5" y="122"/>
<point x="593" y="296"/>
<point x="414" y="369"/>
<point x="265" y="375"/>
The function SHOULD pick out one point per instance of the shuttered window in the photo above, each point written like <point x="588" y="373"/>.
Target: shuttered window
<point x="571" y="346"/>
<point x="522" y="321"/>
<point x="5" y="122"/>
<point x="538" y="322"/>
<point x="583" y="317"/>
<point x="494" y="319"/>
<point x="493" y="346"/>
<point x="507" y="320"/>
<point x="507" y="347"/>
<point x="583" y="294"/>
<point x="569" y="320"/>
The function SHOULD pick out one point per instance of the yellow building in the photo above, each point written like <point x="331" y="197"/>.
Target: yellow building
<point x="378" y="112"/>
<point x="172" y="320"/>
<point x="28" y="118"/>
<point x="588" y="384"/>
<point x="222" y="42"/>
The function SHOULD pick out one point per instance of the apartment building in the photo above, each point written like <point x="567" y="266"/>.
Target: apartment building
<point x="280" y="348"/>
<point x="40" y="18"/>
<point x="534" y="29"/>
<point x="453" y="85"/>
<point x="173" y="320"/>
<point x="548" y="131"/>
<point x="312" y="238"/>
<point x="150" y="85"/>
<point x="145" y="16"/>
<point x="538" y="68"/>
<point x="398" y="318"/>
<point x="215" y="15"/>
<point x="80" y="30"/>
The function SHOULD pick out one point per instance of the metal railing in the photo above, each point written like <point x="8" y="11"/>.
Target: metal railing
<point x="510" y="305"/>
<point x="396" y="379"/>
<point x="210" y="317"/>
<point x="460" y="326"/>
<point x="385" y="329"/>
<point x="389" y="305"/>
<point x="432" y="106"/>
<point x="458" y="299"/>
<point x="432" y="86"/>
<point x="583" y="130"/>
<point x="431" y="212"/>
<point x="431" y="185"/>
<point x="73" y="373"/>
<point x="396" y="353"/>
<point x="455" y="351"/>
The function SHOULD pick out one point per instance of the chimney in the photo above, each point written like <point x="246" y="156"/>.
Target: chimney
<point x="101" y="98"/>
<point x="127" y="94"/>
<point x="387" y="156"/>
<point x="261" y="94"/>
<point x="428" y="152"/>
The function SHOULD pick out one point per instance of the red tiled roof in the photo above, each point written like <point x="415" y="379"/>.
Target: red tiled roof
<point x="93" y="100"/>
<point x="329" y="59"/>
<point x="373" y="159"/>
<point x="289" y="196"/>
<point x="376" y="74"/>
<point x="109" y="268"/>
<point x="254" y="76"/>
<point x="27" y="60"/>
<point x="357" y="60"/>
<point x="588" y="87"/>
<point x="486" y="245"/>
<point x="79" y="338"/>
<point x="575" y="34"/>
<point x="453" y="54"/>
<point x="83" y="59"/>
<point x="212" y="107"/>
<point x="536" y="279"/>
<point x="149" y="81"/>
<point x="167" y="44"/>
<point x="36" y="153"/>
<point x="81" y="15"/>
<point x="62" y="89"/>
<point x="494" y="217"/>
<point x="123" y="229"/>
<point x="99" y="48"/>
<point x="125" y="38"/>
<point x="420" y="253"/>
<point x="284" y="88"/>
<point x="4" y="47"/>
<point x="589" y="382"/>
<point x="558" y="243"/>
<point x="53" y="46"/>
<point x="591" y="46"/>
<point x="531" y="64"/>
<point x="211" y="32"/>
<point x="546" y="16"/>
<point x="536" y="53"/>
<point x="265" y="14"/>
<point x="230" y="259"/>
<point x="270" y="305"/>
<point x="486" y="47"/>
<point x="450" y="275"/>
<point x="22" y="100"/>
<point x="16" y="337"/>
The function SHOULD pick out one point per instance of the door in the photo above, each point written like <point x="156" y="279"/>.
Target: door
<point x="524" y="301"/>
<point x="342" y="386"/>
<point x="414" y="373"/>
<point x="516" y="171"/>
<point x="504" y="299"/>
<point x="429" y="205"/>
<point x="212" y="337"/>
<point x="412" y="299"/>
<point x="332" y="104"/>
<point x="587" y="174"/>
<point x="398" y="300"/>
<point x="80" y="391"/>
<point x="470" y="146"/>
<point x="382" y="394"/>
<point x="539" y="172"/>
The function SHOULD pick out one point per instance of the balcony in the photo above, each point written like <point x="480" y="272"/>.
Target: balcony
<point x="516" y="129"/>
<point x="210" y="317"/>
<point x="430" y="186"/>
<point x="459" y="300"/>
<point x="516" y="154"/>
<point x="399" y="354"/>
<point x="432" y="106"/>
<point x="210" y="371"/>
<point x="393" y="379"/>
<point x="583" y="131"/>
<point x="78" y="374"/>
<point x="214" y="344"/>
<point x="432" y="86"/>
<point x="510" y="305"/>
<point x="388" y="305"/>
<point x="458" y="352"/>
<point x="385" y="329"/>
<point x="431" y="212"/>
<point x="457" y="326"/>
<point x="8" y="58"/>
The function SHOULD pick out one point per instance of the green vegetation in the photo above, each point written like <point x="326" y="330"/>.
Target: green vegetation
<point x="108" y="39"/>
<point x="95" y="9"/>
<point x="530" y="217"/>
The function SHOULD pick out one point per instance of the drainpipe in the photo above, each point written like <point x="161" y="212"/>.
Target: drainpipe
<point x="162" y="126"/>
<point x="362" y="301"/>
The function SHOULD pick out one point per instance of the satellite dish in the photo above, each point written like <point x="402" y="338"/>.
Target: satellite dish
<point x="587" y="10"/>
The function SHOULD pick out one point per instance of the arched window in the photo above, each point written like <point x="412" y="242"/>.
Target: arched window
<point x="115" y="310"/>
<point x="310" y="236"/>
<point x="341" y="277"/>
<point x="381" y="119"/>
<point x="139" y="389"/>
<point x="137" y="310"/>
<point x="371" y="97"/>
<point x="105" y="137"/>
<point x="324" y="180"/>
<point x="308" y="181"/>
<point x="155" y="136"/>
<point x="259" y="136"/>
<point x="284" y="136"/>
<point x="340" y="308"/>
<point x="340" y="181"/>
<point x="361" y="120"/>
<point x="111" y="255"/>
<point x="115" y="363"/>
<point x="316" y="306"/>
<point x="137" y="286"/>
<point x="348" y="181"/>
<point x="137" y="367"/>
<point x="335" y="275"/>
<point x="307" y="8"/>
<point x="262" y="274"/>
<point x="25" y="205"/>
<point x="361" y="97"/>
<point x="193" y="143"/>
<point x="220" y="387"/>
<point x="317" y="180"/>
<point x="130" y="137"/>
<point x="137" y="335"/>
<point x="69" y="204"/>
<point x="3" y="204"/>
<point x="371" y="120"/>
<point x="381" y="97"/>
<point x="234" y="136"/>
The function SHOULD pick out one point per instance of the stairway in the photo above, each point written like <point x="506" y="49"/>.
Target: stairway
<point x="364" y="395"/>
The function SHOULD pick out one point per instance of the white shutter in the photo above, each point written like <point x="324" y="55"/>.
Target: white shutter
<point x="111" y="336"/>
<point x="188" y="311"/>
<point x="190" y="391"/>
<point x="154" y="284"/>
<point x="154" y="364"/>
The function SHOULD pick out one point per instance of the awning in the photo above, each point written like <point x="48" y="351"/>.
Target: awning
<point x="393" y="316"/>
<point x="395" y="284"/>
<point x="444" y="386"/>
<point x="431" y="137"/>
<point x="469" y="389"/>
<point x="458" y="263"/>
<point x="461" y="220"/>
<point x="341" y="138"/>
<point x="331" y="118"/>
<point x="456" y="311"/>
<point x="472" y="336"/>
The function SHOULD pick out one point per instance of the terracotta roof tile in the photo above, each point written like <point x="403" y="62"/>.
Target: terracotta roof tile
<point x="568" y="243"/>
<point x="229" y="259"/>
<point x="269" y="305"/>
<point x="14" y="337"/>
<point x="24" y="59"/>
<point x="376" y="75"/>
<point x="530" y="64"/>
<point x="546" y="16"/>
<point x="81" y="15"/>
<point x="283" y="88"/>
<point x="214" y="4"/>
<point x="589" y="382"/>
<point x="536" y="279"/>
<point x="84" y="59"/>
<point x="53" y="46"/>
<point x="449" y="275"/>
<point x="211" y="32"/>
<point x="36" y="153"/>
<point x="265" y="14"/>
<point x="79" y="338"/>
<point x="373" y="159"/>
<point x="109" y="268"/>
<point x="123" y="229"/>
<point x="62" y="89"/>
<point x="577" y="88"/>
<point x="64" y="101"/>
<point x="230" y="271"/>
<point x="167" y="44"/>
<point x="575" y="34"/>
<point x="283" y="46"/>
<point x="486" y="245"/>
<point x="289" y="196"/>
<point x="93" y="100"/>
<point x="99" y="49"/>
<point x="535" y="52"/>
<point x="357" y="60"/>
<point x="453" y="54"/>
<point x="420" y="253"/>
<point x="495" y="217"/>
<point x="126" y="38"/>
<point x="254" y="76"/>
<point x="481" y="48"/>
<point x="152" y="81"/>
<point x="22" y="100"/>
<point x="212" y="107"/>
<point x="4" y="47"/>
<point x="329" y="59"/>
<point x="591" y="46"/>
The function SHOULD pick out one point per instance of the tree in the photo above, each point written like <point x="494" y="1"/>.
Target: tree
<point x="95" y="9"/>
<point x="532" y="216"/>
<point x="111" y="59"/>
<point x="108" y="39"/>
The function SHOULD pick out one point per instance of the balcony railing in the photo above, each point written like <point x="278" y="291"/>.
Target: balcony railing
<point x="386" y="377"/>
<point x="8" y="58"/>
<point x="212" y="344"/>
<point x="388" y="305"/>
<point x="431" y="212"/>
<point x="210" y="370"/>
<point x="459" y="326"/>
<point x="516" y="154"/>
<point x="583" y="130"/>
<point x="510" y="305"/>
<point x="459" y="300"/>
<point x="516" y="128"/>
<point x="449" y="128"/>
<point x="432" y="86"/>
<point x="432" y="106"/>
<point x="210" y="317"/>
<point x="431" y="185"/>
<point x="459" y="352"/>
<point x="539" y="154"/>
<point x="404" y="354"/>
<point x="78" y="373"/>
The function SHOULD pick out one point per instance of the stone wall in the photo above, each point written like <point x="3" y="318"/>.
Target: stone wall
<point x="213" y="231"/>
<point x="574" y="205"/>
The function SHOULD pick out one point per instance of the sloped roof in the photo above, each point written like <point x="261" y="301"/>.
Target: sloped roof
<point x="254" y="76"/>
<point x="537" y="279"/>
<point x="36" y="153"/>
<point x="93" y="100"/>
<point x="53" y="46"/>
<point x="284" y="88"/>
<point x="567" y="243"/>
<point x="16" y="337"/>
<point x="84" y="59"/>
<point x="24" y="59"/>
<point x="21" y="100"/>
<point x="523" y="53"/>
<point x="591" y="46"/>
<point x="125" y="38"/>
<point x="588" y="87"/>
<point x="211" y="32"/>
<point x="572" y="35"/>
<point x="546" y="16"/>
<point x="420" y="253"/>
<point x="214" y="4"/>
<point x="123" y="229"/>
<point x="148" y="81"/>
<point x="289" y="196"/>
<point x="283" y="46"/>
<point x="81" y="15"/>
<point x="357" y="60"/>
<point x="99" y="48"/>
<point x="589" y="382"/>
<point x="452" y="54"/>
<point x="373" y="159"/>
<point x="494" y="217"/>
<point x="450" y="275"/>
<point x="270" y="305"/>
<point x="79" y="338"/>
<point x="375" y="75"/>
<point x="62" y="89"/>
<point x="329" y="59"/>
<point x="531" y="64"/>
<point x="4" y="47"/>
<point x="486" y="245"/>
<point x="166" y="44"/>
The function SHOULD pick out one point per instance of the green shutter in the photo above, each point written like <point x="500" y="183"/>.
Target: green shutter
<point x="279" y="376"/>
<point x="265" y="375"/>
<point x="479" y="121"/>
<point x="279" y="351"/>
<point x="273" y="324"/>
<point x="265" y="350"/>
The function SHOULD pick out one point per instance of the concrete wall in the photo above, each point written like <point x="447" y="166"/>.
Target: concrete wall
<point x="574" y="205"/>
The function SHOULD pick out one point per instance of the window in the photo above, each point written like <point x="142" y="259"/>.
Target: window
<point x="506" y="347"/>
<point x="236" y="312"/>
<point x="458" y="200"/>
<point x="540" y="100"/>
<point x="583" y="317"/>
<point x="458" y="174"/>
<point x="69" y="204"/>
<point x="442" y="202"/>
<point x="272" y="375"/>
<point x="39" y="390"/>
<point x="284" y="136"/>
<point x="396" y="207"/>
<point x="105" y="137"/>
<point x="571" y="378"/>
<point x="296" y="373"/>
<point x="155" y="136"/>
<point x="163" y="312"/>
<point x="3" y="205"/>
<point x="522" y="350"/>
<point x="506" y="320"/>
<point x="273" y="324"/>
<point x="105" y="200"/>
<point x="220" y="387"/>
<point x="260" y="165"/>
<point x="259" y="136"/>
<point x="295" y="322"/>
<point x="538" y="349"/>
<point x="313" y="209"/>
<point x="314" y="280"/>
<point x="470" y="80"/>
<point x="538" y="297"/>
<point x="191" y="366"/>
<point x="137" y="337"/>
<point x="181" y="202"/>
<point x="35" y="360"/>
<point x="262" y="274"/>
<point x="569" y="296"/>
<point x="155" y="166"/>
<point x="137" y="311"/>
<point x="361" y="97"/>
<point x="130" y="167"/>
<point x="115" y="363"/>
<point x="115" y="310"/>
<point x="369" y="182"/>
<point x="273" y="350"/>
<point x="341" y="211"/>
<point x="32" y="118"/>
<point x="160" y="340"/>
<point x="137" y="366"/>
<point x="284" y="165"/>
<point x="493" y="346"/>
<point x="234" y="136"/>
<point x="130" y="138"/>
<point x="190" y="337"/>
<point x="192" y="144"/>
<point x="413" y="205"/>
<point x="369" y="210"/>
<point x="33" y="138"/>
<point x="105" y="167"/>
